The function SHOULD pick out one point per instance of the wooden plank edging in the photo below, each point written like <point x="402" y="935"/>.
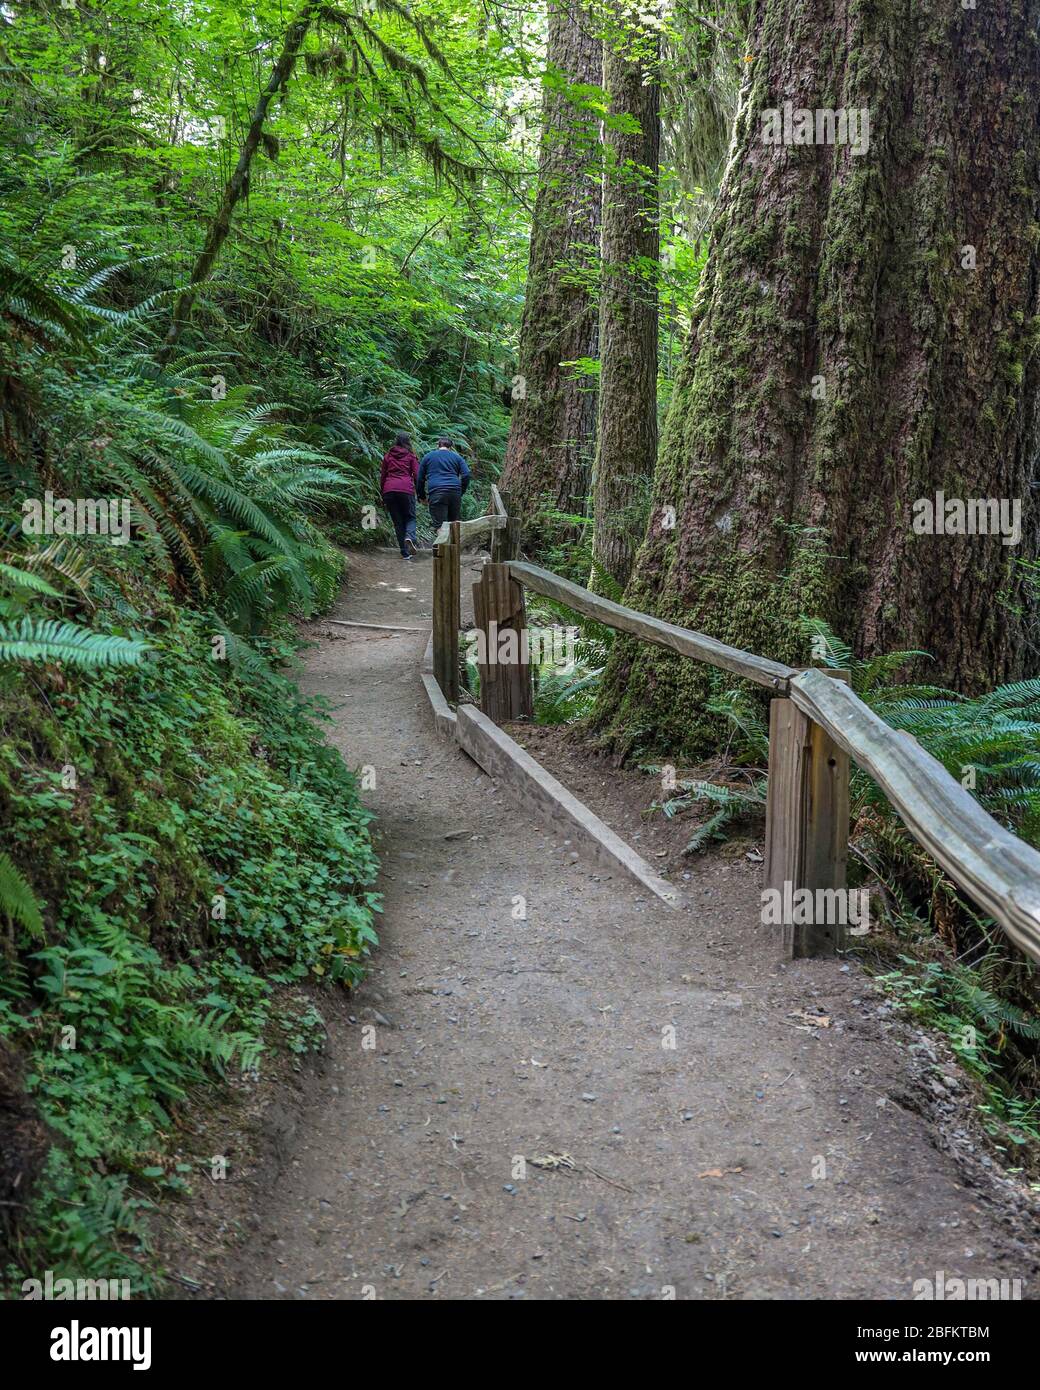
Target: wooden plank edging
<point x="443" y="714"/>
<point x="373" y="627"/>
<point x="532" y="786"/>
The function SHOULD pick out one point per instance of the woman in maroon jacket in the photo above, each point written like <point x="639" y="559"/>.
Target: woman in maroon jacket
<point x="397" y="485"/>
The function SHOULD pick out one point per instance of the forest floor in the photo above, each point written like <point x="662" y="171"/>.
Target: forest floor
<point x="799" y="1141"/>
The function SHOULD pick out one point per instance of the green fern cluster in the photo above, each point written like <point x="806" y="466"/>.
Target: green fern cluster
<point x="993" y="1037"/>
<point x="225" y="491"/>
<point x="25" y="638"/>
<point x="991" y="744"/>
<point x="732" y="803"/>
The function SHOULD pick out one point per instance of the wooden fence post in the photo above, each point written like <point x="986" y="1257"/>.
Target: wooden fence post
<point x="807" y="822"/>
<point x="505" y="543"/>
<point x="500" y="616"/>
<point x="446" y="614"/>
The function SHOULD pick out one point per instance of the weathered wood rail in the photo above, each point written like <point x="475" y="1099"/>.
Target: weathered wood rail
<point x="817" y="725"/>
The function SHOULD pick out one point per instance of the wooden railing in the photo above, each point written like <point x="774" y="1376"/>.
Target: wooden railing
<point x="817" y="724"/>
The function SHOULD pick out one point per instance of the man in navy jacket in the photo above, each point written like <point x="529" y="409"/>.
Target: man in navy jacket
<point x="443" y="477"/>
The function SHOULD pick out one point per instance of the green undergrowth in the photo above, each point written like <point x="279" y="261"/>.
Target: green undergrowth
<point x="565" y="692"/>
<point x="959" y="1002"/>
<point x="193" y="848"/>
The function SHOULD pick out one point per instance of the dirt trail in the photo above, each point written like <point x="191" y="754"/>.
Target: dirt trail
<point x="752" y="1160"/>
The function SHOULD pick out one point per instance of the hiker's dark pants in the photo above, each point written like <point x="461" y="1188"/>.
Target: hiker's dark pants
<point x="401" y="506"/>
<point x="445" y="505"/>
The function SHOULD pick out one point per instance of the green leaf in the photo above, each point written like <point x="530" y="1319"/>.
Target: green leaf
<point x="42" y="640"/>
<point x="16" y="899"/>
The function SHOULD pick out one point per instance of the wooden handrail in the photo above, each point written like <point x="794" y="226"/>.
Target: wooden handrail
<point x="476" y="526"/>
<point x="481" y="525"/>
<point x="683" y="640"/>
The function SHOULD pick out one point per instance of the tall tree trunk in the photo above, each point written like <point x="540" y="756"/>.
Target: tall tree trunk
<point x="238" y="184"/>
<point x="627" y="445"/>
<point x="847" y="361"/>
<point x="553" y="428"/>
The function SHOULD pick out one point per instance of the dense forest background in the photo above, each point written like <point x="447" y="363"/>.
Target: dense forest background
<point x="241" y="246"/>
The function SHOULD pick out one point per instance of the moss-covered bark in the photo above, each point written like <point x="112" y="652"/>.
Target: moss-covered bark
<point x="553" y="427"/>
<point x="626" y="447"/>
<point x="845" y="360"/>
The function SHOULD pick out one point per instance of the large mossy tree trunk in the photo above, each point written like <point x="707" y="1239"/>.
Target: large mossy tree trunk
<point x="626" y="450"/>
<point x="553" y="428"/>
<point x="864" y="336"/>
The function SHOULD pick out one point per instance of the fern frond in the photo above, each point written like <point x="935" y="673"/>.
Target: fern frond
<point x="711" y="829"/>
<point x="65" y="558"/>
<point x="24" y="579"/>
<point x="243" y="657"/>
<point x="44" y="310"/>
<point x="42" y="640"/>
<point x="17" y="902"/>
